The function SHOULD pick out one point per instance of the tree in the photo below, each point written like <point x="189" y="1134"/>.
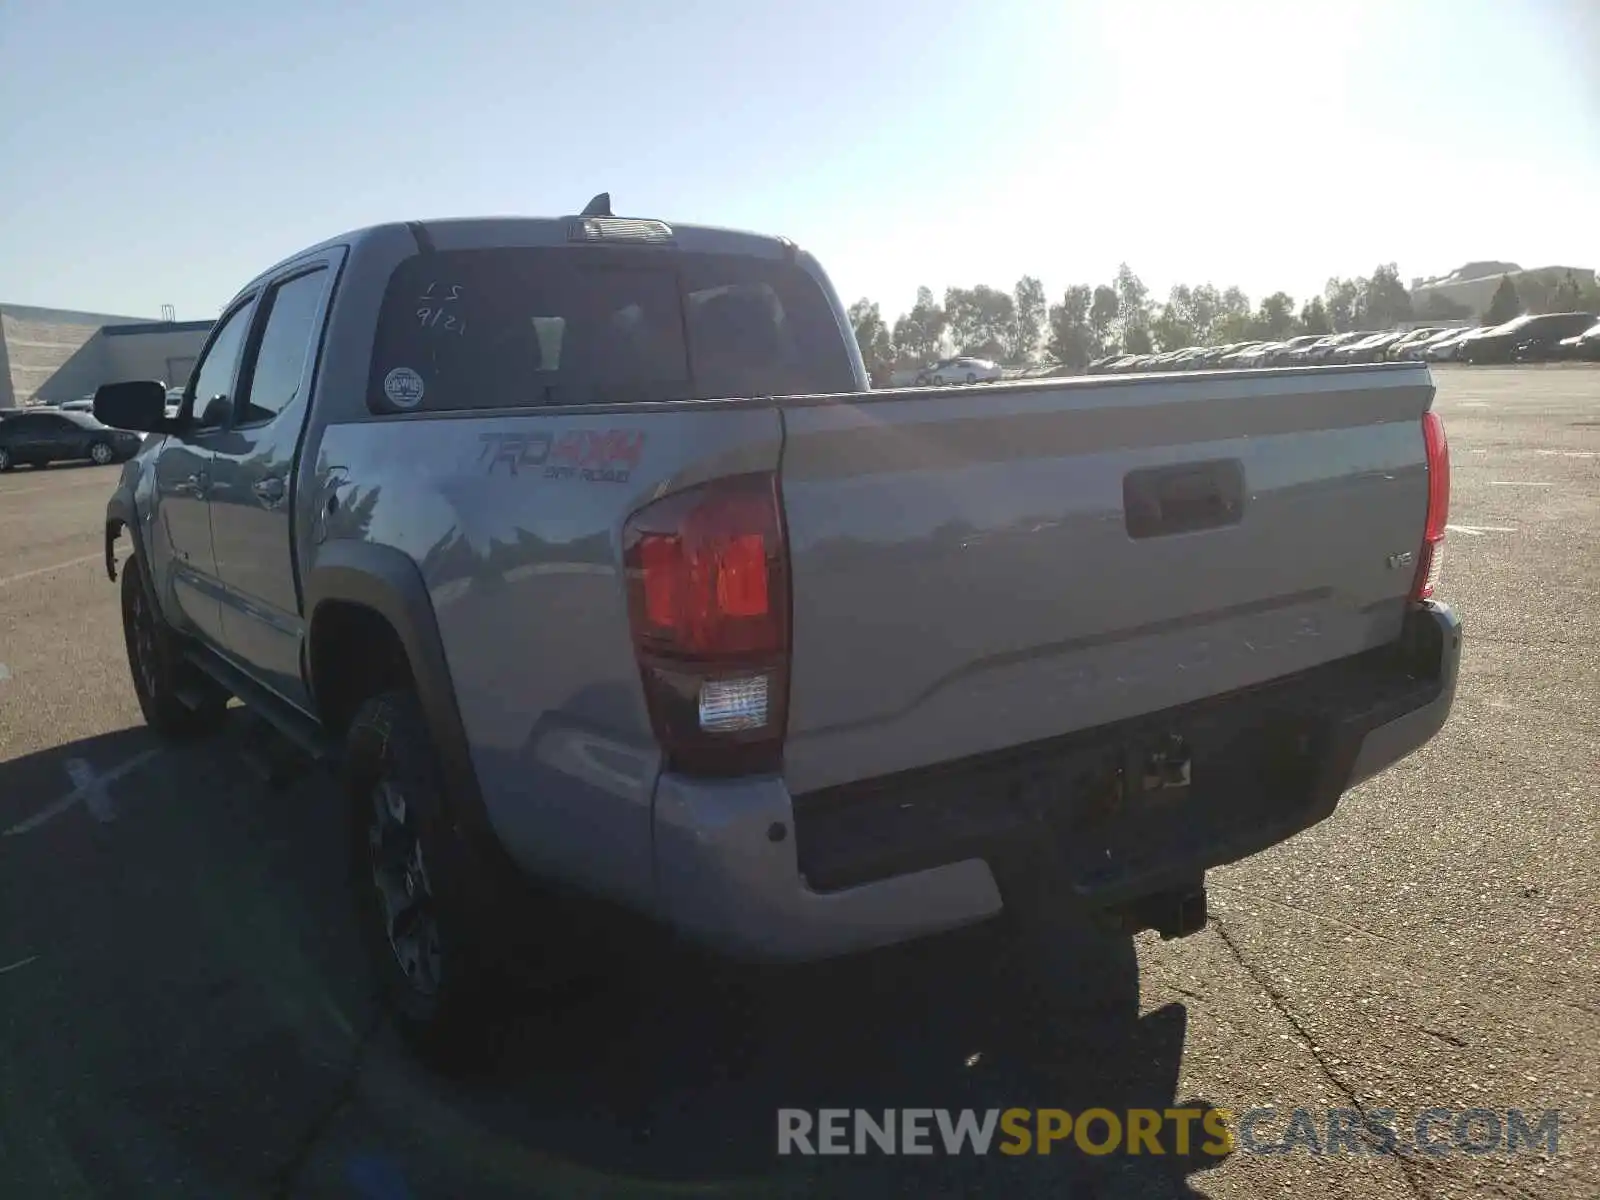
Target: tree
<point x="1568" y="296"/>
<point x="872" y="335"/>
<point x="1027" y="321"/>
<point x="1275" y="320"/>
<point x="1343" y="298"/>
<point x="1102" y="316"/>
<point x="919" y="334"/>
<point x="1385" y="301"/>
<point x="1505" y="303"/>
<point x="1233" y="318"/>
<point x="1071" y="339"/>
<point x="1314" y="316"/>
<point x="1173" y="327"/>
<point x="979" y="319"/>
<point x="1133" y="310"/>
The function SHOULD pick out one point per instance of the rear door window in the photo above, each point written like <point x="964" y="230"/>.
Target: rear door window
<point x="485" y="329"/>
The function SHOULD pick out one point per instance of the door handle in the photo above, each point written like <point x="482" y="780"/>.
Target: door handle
<point x="270" y="491"/>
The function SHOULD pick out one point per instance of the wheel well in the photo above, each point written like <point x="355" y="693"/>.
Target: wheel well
<point x="354" y="654"/>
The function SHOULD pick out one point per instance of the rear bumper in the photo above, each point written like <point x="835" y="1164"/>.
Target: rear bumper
<point x="749" y="870"/>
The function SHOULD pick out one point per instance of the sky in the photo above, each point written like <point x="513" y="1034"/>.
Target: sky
<point x="165" y="152"/>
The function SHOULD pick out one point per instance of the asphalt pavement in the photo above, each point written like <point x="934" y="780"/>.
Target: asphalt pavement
<point x="183" y="1012"/>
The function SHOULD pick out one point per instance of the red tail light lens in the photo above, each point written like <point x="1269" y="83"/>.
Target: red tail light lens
<point x="1431" y="560"/>
<point x="708" y="599"/>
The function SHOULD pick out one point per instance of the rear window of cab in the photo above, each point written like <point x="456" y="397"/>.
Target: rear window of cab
<point x="528" y="327"/>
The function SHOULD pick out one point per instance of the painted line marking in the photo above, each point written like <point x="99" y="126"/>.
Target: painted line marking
<point x="88" y="787"/>
<point x="17" y="966"/>
<point x="1480" y="530"/>
<point x="1473" y="404"/>
<point x="1566" y="453"/>
<point x="1517" y="483"/>
<point x="5" y="672"/>
<point x="60" y="566"/>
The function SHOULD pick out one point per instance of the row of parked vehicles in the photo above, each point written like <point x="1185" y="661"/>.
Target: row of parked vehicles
<point x="1533" y="337"/>
<point x="42" y="434"/>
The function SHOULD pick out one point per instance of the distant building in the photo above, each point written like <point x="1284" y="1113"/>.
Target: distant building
<point x="48" y="355"/>
<point x="1473" y="285"/>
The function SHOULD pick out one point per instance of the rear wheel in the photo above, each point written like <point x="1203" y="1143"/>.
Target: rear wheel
<point x="410" y="886"/>
<point x="101" y="454"/>
<point x="177" y="700"/>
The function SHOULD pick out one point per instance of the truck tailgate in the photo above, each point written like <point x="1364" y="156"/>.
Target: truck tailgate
<point x="980" y="569"/>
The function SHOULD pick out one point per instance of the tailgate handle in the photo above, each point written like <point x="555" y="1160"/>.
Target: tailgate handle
<point x="1159" y="501"/>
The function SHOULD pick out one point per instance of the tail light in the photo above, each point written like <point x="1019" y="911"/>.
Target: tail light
<point x="708" y="602"/>
<point x="1431" y="561"/>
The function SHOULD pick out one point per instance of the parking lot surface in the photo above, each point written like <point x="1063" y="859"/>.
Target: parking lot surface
<point x="183" y="1012"/>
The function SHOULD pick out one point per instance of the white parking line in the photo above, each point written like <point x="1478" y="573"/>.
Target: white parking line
<point x="18" y="965"/>
<point x="88" y="787"/>
<point x="5" y="672"/>
<point x="60" y="566"/>
<point x="1480" y="530"/>
<point x="1517" y="483"/>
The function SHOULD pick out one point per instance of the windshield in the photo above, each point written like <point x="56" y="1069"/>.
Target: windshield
<point x="506" y="328"/>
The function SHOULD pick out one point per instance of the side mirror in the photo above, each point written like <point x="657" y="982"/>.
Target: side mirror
<point x="140" y="406"/>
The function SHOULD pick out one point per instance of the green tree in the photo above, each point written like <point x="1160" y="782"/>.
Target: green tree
<point x="1314" y="316"/>
<point x="919" y="334"/>
<point x="872" y="335"/>
<point x="1232" y="323"/>
<point x="1028" y="308"/>
<point x="1385" y="300"/>
<point x="1342" y="297"/>
<point x="1505" y="304"/>
<point x="1275" y="320"/>
<point x="1568" y="295"/>
<point x="1071" y="339"/>
<point x="1102" y="317"/>
<point x="1133" y="310"/>
<point x="1173" y="326"/>
<point x="979" y="319"/>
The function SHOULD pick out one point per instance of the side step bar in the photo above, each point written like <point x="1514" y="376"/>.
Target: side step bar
<point x="268" y="705"/>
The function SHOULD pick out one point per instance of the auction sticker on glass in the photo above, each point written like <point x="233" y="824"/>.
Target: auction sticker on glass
<point x="403" y="387"/>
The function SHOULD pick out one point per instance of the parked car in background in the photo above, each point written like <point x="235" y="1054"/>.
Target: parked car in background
<point x="961" y="370"/>
<point x="81" y="404"/>
<point x="1367" y="349"/>
<point x="1284" y="354"/>
<point x="1585" y="346"/>
<point x="1449" y="348"/>
<point x="44" y="436"/>
<point x="1414" y="349"/>
<point x="1528" y="338"/>
<point x="1322" y="349"/>
<point x="1409" y="338"/>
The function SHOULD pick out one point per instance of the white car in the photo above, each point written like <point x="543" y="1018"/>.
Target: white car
<point x="962" y="370"/>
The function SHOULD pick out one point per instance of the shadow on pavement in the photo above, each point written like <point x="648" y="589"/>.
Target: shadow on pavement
<point x="198" y="1022"/>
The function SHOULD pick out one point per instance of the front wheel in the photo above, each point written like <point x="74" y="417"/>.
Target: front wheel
<point x="101" y="454"/>
<point x="176" y="700"/>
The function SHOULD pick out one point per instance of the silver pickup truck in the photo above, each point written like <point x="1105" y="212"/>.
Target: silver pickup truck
<point x="583" y="548"/>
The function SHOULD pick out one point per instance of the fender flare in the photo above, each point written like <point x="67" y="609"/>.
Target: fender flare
<point x="388" y="582"/>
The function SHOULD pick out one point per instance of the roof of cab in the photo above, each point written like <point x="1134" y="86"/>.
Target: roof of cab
<point x="460" y="233"/>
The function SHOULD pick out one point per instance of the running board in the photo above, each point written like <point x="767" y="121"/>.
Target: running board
<point x="270" y="707"/>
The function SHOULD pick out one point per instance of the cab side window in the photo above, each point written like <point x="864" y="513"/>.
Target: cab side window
<point x="213" y="379"/>
<point x="286" y="343"/>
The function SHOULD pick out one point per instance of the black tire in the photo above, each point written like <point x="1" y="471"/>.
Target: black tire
<point x="178" y="702"/>
<point x="971" y="378"/>
<point x="412" y="889"/>
<point x="101" y="454"/>
<point x="5" y="459"/>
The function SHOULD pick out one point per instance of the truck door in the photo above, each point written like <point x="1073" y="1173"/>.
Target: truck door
<point x="253" y="479"/>
<point x="184" y="563"/>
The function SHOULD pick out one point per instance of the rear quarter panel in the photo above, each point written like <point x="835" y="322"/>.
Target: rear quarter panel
<point x="515" y="520"/>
